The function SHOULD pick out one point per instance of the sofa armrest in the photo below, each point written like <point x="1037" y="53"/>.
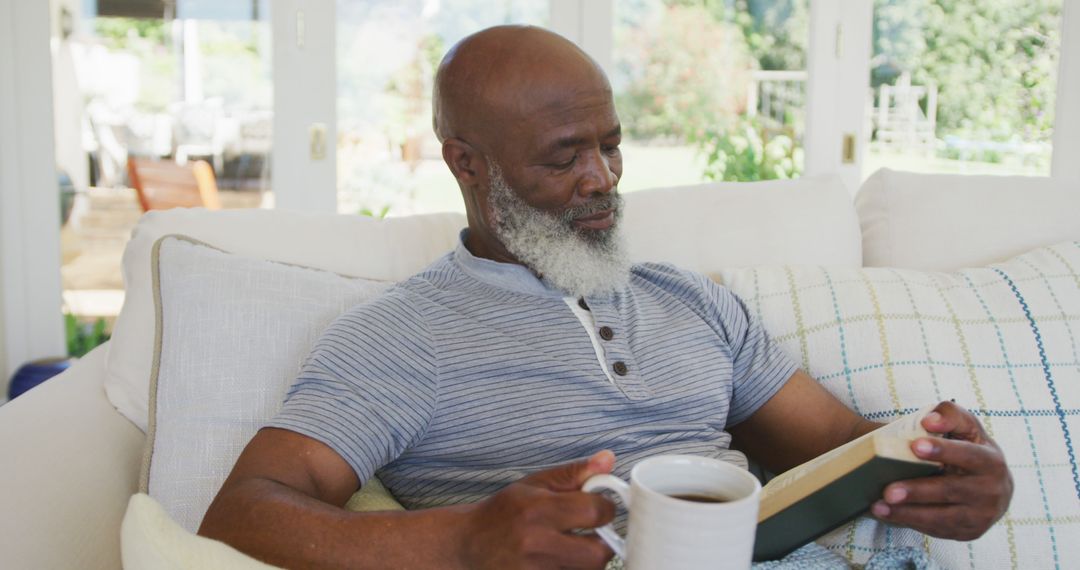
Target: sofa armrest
<point x="70" y="463"/>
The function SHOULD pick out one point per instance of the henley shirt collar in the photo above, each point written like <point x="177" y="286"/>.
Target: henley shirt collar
<point x="510" y="276"/>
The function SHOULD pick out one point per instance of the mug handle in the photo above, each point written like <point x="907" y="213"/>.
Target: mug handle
<point x="607" y="532"/>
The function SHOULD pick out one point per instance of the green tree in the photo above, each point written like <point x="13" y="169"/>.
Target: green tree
<point x="993" y="61"/>
<point x="684" y="74"/>
<point x="119" y="33"/>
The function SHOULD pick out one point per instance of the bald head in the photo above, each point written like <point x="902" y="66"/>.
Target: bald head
<point x="503" y="74"/>
<point x="524" y="114"/>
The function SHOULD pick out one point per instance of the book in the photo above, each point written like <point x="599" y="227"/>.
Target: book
<point x="814" y="498"/>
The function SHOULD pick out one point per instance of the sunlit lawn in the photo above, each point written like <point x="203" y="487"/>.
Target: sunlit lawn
<point x="643" y="167"/>
<point x="916" y="162"/>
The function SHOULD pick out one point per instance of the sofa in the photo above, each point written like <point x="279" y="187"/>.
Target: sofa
<point x="817" y="267"/>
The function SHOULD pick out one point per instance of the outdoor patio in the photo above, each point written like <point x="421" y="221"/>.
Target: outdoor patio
<point x="92" y="243"/>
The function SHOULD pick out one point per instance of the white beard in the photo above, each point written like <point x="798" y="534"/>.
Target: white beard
<point x="578" y="262"/>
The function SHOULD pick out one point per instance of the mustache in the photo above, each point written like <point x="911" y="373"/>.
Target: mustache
<point x="610" y="201"/>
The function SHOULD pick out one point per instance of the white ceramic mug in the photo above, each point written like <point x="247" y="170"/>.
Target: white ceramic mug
<point x="668" y="533"/>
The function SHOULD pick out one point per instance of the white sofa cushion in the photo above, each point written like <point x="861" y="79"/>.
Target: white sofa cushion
<point x="720" y="225"/>
<point x="150" y="540"/>
<point x="1003" y="341"/>
<point x="389" y="250"/>
<point x="941" y="222"/>
<point x="233" y="332"/>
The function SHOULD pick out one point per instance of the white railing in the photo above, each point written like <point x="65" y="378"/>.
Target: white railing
<point x="773" y="94"/>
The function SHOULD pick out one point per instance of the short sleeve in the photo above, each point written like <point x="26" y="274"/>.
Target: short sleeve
<point x="760" y="367"/>
<point x="369" y="386"/>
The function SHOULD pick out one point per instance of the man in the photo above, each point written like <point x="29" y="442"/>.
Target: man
<point x="475" y="386"/>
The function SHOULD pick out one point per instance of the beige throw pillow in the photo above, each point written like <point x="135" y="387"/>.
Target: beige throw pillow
<point x="232" y="332"/>
<point x="150" y="540"/>
<point x="1003" y="340"/>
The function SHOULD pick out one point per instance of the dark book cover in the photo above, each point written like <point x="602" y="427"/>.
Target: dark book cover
<point x="836" y="503"/>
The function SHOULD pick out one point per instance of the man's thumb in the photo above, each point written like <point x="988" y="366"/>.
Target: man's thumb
<point x="572" y="476"/>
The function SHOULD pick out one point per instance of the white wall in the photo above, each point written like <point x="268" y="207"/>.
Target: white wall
<point x="67" y="98"/>
<point x="3" y="343"/>
<point x="305" y="97"/>
<point x="29" y="197"/>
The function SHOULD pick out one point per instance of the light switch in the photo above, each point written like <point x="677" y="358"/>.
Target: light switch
<point x="848" y="154"/>
<point x="301" y="30"/>
<point x="317" y="141"/>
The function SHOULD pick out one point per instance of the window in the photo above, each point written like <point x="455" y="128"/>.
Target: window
<point x="186" y="83"/>
<point x="963" y="87"/>
<point x="389" y="161"/>
<point x="710" y="90"/>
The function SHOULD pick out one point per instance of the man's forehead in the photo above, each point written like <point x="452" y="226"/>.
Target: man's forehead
<point x="565" y="129"/>
<point x="553" y="111"/>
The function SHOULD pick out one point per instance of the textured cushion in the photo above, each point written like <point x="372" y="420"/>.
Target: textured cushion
<point x="233" y="332"/>
<point x="150" y="540"/>
<point x="1004" y="341"/>
<point x="737" y="224"/>
<point x="388" y="250"/>
<point x="942" y="222"/>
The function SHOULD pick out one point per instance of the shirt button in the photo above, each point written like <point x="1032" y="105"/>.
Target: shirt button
<point x="620" y="368"/>
<point x="581" y="303"/>
<point x="606" y="333"/>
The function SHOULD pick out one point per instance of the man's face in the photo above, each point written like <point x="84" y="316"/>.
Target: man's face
<point x="551" y="201"/>
<point x="580" y="261"/>
<point x="562" y="153"/>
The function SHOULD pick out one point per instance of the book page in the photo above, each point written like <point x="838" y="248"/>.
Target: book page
<point x="907" y="428"/>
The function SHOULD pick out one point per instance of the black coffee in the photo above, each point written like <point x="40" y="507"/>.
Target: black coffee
<point x="700" y="498"/>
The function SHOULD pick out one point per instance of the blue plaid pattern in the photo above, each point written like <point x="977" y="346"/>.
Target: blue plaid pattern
<point x="1001" y="340"/>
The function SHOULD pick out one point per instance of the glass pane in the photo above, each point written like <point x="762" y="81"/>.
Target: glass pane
<point x="710" y="90"/>
<point x="183" y="99"/>
<point x="963" y="87"/>
<point x="389" y="161"/>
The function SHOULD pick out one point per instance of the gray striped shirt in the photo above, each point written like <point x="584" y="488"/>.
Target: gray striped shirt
<point x="472" y="374"/>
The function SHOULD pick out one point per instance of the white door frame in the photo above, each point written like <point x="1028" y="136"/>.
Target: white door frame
<point x="1066" y="139"/>
<point x="838" y="82"/>
<point x="588" y="23"/>
<point x="30" y="294"/>
<point x="304" y="155"/>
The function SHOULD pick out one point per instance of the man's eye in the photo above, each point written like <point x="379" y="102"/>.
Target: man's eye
<point x="565" y="165"/>
<point x="612" y="149"/>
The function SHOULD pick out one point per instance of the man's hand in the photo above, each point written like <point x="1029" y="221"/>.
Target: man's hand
<point x="528" y="524"/>
<point x="972" y="493"/>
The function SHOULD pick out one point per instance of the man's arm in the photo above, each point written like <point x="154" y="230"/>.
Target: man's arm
<point x="283" y="501"/>
<point x="803" y="420"/>
<point x="800" y="422"/>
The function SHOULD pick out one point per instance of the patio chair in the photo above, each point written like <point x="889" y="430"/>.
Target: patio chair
<point x="163" y="184"/>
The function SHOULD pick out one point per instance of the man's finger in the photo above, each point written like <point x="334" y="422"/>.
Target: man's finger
<point x="942" y="490"/>
<point x="964" y="455"/>
<point x="585" y="552"/>
<point x="952" y="521"/>
<point x="573" y="510"/>
<point x="572" y="476"/>
<point x="950" y="418"/>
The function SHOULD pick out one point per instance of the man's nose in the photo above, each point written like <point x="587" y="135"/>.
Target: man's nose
<point x="597" y="176"/>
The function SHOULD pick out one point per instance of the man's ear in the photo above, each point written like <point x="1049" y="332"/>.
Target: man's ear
<point x="465" y="162"/>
